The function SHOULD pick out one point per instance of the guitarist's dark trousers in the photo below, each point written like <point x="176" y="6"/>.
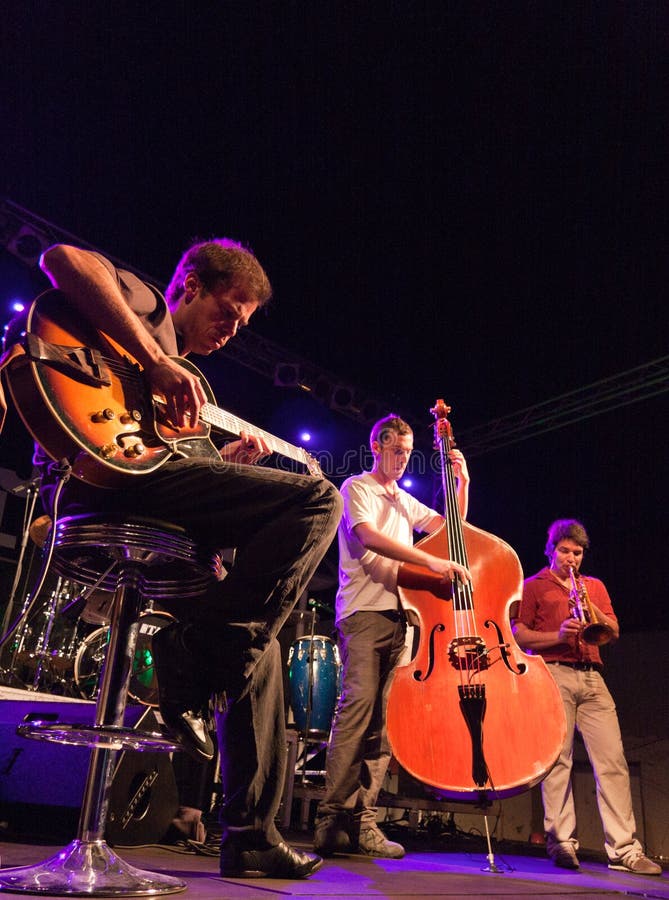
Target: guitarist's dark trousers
<point x="280" y="524"/>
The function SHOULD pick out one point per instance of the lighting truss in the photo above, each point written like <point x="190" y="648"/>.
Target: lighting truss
<point x="632" y="386"/>
<point x="26" y="235"/>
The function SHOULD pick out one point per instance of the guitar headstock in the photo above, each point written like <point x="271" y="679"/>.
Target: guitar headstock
<point x="312" y="464"/>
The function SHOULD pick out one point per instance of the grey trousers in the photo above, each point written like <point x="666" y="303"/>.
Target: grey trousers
<point x="590" y="708"/>
<point x="358" y="753"/>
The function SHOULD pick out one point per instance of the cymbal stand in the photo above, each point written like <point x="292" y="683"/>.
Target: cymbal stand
<point x="32" y="492"/>
<point x="23" y="634"/>
<point x="41" y="650"/>
<point x="69" y="644"/>
<point x="310" y="690"/>
<point x="8" y="676"/>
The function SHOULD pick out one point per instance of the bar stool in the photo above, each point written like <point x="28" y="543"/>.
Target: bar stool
<point x="138" y="560"/>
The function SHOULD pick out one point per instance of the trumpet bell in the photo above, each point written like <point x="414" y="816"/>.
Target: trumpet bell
<point x="597" y="633"/>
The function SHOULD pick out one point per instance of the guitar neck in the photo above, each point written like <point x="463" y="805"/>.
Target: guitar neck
<point x="227" y="423"/>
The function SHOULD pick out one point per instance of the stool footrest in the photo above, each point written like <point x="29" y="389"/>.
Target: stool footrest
<point x="104" y="737"/>
<point x="87" y="869"/>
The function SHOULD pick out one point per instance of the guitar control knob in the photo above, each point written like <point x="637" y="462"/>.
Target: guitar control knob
<point x="105" y="415"/>
<point x="135" y="450"/>
<point x="108" y="450"/>
<point x="133" y="415"/>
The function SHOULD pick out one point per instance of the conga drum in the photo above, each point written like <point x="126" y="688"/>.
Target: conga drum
<point x="314" y="669"/>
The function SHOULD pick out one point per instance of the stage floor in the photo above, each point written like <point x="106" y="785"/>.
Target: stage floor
<point x="450" y="875"/>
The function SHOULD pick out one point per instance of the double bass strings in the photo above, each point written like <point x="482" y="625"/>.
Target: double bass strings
<point x="463" y="606"/>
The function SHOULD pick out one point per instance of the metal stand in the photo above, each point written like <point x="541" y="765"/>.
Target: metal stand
<point x="87" y="866"/>
<point x="492" y="866"/>
<point x="309" y="704"/>
<point x="31" y="489"/>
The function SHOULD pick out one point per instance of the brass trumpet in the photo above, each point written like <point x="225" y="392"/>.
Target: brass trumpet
<point x="594" y="631"/>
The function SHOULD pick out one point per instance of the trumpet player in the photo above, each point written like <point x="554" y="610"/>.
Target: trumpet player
<point x="565" y="616"/>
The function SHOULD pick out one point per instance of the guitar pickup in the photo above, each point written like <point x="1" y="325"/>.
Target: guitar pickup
<point x="83" y="364"/>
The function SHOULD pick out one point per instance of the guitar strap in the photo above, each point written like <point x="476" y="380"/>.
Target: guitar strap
<point x="7" y="357"/>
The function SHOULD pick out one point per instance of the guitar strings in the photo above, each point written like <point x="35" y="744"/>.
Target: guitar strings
<point x="216" y="416"/>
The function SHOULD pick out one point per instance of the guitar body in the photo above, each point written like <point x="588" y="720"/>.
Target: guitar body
<point x="85" y="399"/>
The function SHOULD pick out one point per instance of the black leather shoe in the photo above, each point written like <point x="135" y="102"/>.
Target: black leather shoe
<point x="180" y="694"/>
<point x="280" y="861"/>
<point x="190" y="728"/>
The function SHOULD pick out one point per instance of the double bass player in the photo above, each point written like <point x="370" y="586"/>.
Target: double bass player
<point x="375" y="535"/>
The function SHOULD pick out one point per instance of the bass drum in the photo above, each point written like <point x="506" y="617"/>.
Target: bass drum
<point x="143" y="682"/>
<point x="313" y="709"/>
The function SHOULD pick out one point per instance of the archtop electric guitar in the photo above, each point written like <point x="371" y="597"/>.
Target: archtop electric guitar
<point x="85" y="399"/>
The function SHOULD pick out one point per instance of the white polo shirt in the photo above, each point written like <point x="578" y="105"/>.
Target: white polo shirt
<point x="368" y="581"/>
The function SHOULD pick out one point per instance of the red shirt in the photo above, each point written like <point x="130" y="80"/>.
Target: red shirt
<point x="545" y="605"/>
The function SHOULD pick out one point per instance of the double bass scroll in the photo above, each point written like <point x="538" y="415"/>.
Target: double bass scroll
<point x="472" y="715"/>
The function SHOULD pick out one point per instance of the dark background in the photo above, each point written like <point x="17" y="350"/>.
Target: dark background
<point x="459" y="200"/>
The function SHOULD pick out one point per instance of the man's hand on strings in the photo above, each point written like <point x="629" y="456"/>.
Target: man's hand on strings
<point x="459" y="464"/>
<point x="448" y="569"/>
<point x="181" y="390"/>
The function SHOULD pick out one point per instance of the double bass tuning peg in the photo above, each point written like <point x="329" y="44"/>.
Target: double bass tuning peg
<point x="442" y="427"/>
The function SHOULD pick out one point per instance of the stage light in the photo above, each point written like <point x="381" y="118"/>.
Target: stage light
<point x="287" y="375"/>
<point x="17" y="306"/>
<point x="342" y="397"/>
<point x="28" y="244"/>
<point x="407" y="483"/>
<point x="305" y="436"/>
<point x="322" y="389"/>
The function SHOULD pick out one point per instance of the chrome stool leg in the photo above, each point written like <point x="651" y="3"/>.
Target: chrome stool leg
<point x="88" y="866"/>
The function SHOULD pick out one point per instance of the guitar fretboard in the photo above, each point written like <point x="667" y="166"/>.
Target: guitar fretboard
<point x="230" y="424"/>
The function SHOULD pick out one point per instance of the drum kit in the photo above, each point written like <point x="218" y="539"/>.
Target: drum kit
<point x="60" y="642"/>
<point x="59" y="646"/>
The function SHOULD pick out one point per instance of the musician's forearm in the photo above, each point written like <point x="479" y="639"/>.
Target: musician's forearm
<point x="537" y="641"/>
<point x="463" y="496"/>
<point x="92" y="291"/>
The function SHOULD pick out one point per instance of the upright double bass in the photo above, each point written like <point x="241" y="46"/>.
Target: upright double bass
<point x="472" y="715"/>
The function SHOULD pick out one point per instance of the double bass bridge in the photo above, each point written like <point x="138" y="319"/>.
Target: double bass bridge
<point x="468" y="654"/>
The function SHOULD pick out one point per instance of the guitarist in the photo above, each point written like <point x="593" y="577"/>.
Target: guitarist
<point x="280" y="523"/>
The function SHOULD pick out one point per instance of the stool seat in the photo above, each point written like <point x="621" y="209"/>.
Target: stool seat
<point x="139" y="560"/>
<point x="89" y="545"/>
